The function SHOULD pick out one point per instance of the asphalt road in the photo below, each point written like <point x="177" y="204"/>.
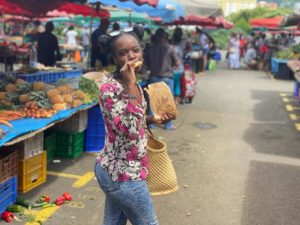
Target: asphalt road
<point x="241" y="169"/>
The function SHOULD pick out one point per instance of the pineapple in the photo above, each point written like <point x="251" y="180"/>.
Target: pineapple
<point x="63" y="89"/>
<point x="8" y="78"/>
<point x="10" y="87"/>
<point x="52" y="92"/>
<point x="3" y="95"/>
<point x="6" y="102"/>
<point x="67" y="98"/>
<point x="57" y="99"/>
<point x="79" y="94"/>
<point x="39" y="86"/>
<point x="23" y="98"/>
<point x="20" y="81"/>
<point x="76" y="103"/>
<point x="59" y="106"/>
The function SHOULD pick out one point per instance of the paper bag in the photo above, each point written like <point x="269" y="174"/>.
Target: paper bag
<point x="161" y="99"/>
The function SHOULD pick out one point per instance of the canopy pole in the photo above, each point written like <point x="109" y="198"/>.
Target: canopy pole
<point x="90" y="45"/>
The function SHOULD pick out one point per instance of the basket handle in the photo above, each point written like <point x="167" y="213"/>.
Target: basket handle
<point x="149" y="132"/>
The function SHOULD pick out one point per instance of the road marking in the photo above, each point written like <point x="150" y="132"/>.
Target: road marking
<point x="285" y="95"/>
<point x="43" y="215"/>
<point x="83" y="180"/>
<point x="297" y="125"/>
<point x="289" y="108"/>
<point x="66" y="175"/>
<point x="294" y="117"/>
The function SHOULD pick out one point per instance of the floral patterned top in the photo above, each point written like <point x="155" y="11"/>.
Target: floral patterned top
<point x="124" y="153"/>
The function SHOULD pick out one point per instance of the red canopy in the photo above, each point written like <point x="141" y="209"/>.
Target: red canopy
<point x="83" y="10"/>
<point x="270" y="23"/>
<point x="12" y="8"/>
<point x="38" y="7"/>
<point x="141" y="2"/>
<point x="218" y="22"/>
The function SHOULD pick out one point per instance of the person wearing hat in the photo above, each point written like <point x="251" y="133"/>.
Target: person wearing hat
<point x="97" y="51"/>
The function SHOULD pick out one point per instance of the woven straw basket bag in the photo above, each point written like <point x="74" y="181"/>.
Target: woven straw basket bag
<point x="162" y="177"/>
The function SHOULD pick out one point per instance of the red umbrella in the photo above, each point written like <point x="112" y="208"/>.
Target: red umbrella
<point x="141" y="2"/>
<point x="11" y="8"/>
<point x="270" y="23"/>
<point x="83" y="10"/>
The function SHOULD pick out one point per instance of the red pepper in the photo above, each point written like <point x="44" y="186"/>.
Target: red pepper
<point x="60" y="200"/>
<point x="67" y="196"/>
<point x="8" y="216"/>
<point x="45" y="198"/>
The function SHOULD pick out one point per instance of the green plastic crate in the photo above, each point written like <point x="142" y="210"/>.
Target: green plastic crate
<point x="49" y="146"/>
<point x="69" y="144"/>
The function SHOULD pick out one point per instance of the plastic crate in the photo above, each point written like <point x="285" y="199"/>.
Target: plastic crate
<point x="94" y="143"/>
<point x="32" y="172"/>
<point x="76" y="123"/>
<point x="49" y="146"/>
<point x="95" y="132"/>
<point x="8" y="193"/>
<point x="31" y="146"/>
<point x="284" y="72"/>
<point x="69" y="144"/>
<point x="8" y="164"/>
<point x="49" y="76"/>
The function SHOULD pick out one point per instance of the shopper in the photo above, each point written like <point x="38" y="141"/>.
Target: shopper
<point x="250" y="58"/>
<point x="85" y="41"/>
<point x="122" y="166"/>
<point x="234" y="51"/>
<point x="71" y="41"/>
<point x="48" y="50"/>
<point x="97" y="51"/>
<point x="180" y="46"/>
<point x="161" y="59"/>
<point x="204" y="45"/>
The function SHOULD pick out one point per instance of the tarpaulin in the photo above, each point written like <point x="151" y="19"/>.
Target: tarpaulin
<point x="270" y="23"/>
<point x="84" y="10"/>
<point x="23" y="126"/>
<point x="167" y="10"/>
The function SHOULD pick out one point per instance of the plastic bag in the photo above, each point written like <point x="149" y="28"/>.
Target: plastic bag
<point x="212" y="66"/>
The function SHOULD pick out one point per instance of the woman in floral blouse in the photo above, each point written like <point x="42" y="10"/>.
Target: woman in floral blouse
<point x="122" y="166"/>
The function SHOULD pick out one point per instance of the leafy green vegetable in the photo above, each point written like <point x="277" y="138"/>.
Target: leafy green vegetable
<point x="89" y="87"/>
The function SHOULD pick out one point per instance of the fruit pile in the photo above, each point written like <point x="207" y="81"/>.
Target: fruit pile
<point x="39" y="100"/>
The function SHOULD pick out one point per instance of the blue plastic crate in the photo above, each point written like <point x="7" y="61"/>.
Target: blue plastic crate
<point x="94" y="143"/>
<point x="95" y="132"/>
<point x="50" y="76"/>
<point x="284" y="72"/>
<point x="8" y="193"/>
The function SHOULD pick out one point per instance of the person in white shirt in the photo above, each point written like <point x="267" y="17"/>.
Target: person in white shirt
<point x="85" y="40"/>
<point x="71" y="41"/>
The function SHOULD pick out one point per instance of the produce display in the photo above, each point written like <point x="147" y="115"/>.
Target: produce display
<point x="294" y="65"/>
<point x="290" y="53"/>
<point x="38" y="100"/>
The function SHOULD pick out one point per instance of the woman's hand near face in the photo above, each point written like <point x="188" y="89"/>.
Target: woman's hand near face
<point x="128" y="74"/>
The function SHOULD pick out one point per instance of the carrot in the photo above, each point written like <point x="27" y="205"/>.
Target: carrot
<point x="5" y="123"/>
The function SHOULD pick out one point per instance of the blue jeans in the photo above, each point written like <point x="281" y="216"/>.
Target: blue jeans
<point x="124" y="201"/>
<point x="170" y="82"/>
